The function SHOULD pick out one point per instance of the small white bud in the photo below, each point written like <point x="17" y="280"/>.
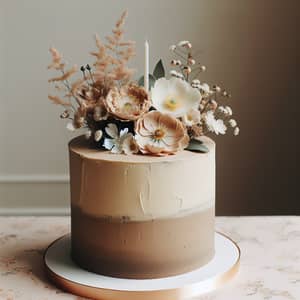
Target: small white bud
<point x="232" y="122"/>
<point x="203" y="68"/>
<point x="236" y="131"/>
<point x="229" y="110"/>
<point x="196" y="81"/>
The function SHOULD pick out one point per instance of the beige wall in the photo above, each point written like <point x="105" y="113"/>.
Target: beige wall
<point x="249" y="47"/>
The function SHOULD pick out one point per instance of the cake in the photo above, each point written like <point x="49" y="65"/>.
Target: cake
<point x="143" y="173"/>
<point x="141" y="216"/>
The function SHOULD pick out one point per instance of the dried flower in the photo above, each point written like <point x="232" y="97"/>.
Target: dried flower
<point x="160" y="134"/>
<point x="213" y="125"/>
<point x="236" y="131"/>
<point x="203" y="68"/>
<point x="216" y="88"/>
<point x="213" y="104"/>
<point x="174" y="96"/>
<point x="187" y="69"/>
<point x="65" y="114"/>
<point x="98" y="135"/>
<point x="56" y="60"/>
<point x="191" y="61"/>
<point x="176" y="62"/>
<point x="100" y="112"/>
<point x="65" y="75"/>
<point x="195" y="131"/>
<point x="57" y="100"/>
<point x="232" y="122"/>
<point x="127" y="103"/>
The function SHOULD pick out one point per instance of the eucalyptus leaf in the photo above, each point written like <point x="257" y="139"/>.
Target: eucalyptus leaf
<point x="159" y="70"/>
<point x="152" y="80"/>
<point x="197" y="146"/>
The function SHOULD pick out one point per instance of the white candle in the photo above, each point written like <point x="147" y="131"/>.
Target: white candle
<point x="146" y="74"/>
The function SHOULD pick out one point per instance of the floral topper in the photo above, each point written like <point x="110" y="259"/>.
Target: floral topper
<point x="120" y="115"/>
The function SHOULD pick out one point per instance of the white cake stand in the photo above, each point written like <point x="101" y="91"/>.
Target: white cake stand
<point x="67" y="275"/>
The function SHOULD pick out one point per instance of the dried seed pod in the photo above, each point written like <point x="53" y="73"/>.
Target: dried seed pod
<point x="187" y="69"/>
<point x="203" y="68"/>
<point x="216" y="88"/>
<point x="65" y="114"/>
<point x="191" y="61"/>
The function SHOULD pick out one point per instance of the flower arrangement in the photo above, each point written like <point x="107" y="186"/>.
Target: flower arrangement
<point x="123" y="116"/>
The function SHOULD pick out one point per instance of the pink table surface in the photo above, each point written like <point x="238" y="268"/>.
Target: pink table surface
<point x="270" y="262"/>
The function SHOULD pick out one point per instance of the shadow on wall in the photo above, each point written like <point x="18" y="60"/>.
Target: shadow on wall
<point x="258" y="172"/>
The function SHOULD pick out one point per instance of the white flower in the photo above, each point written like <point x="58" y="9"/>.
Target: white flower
<point x="88" y="134"/>
<point x="98" y="135"/>
<point x="196" y="81"/>
<point x="229" y="110"/>
<point x="236" y="131"/>
<point x="176" y="74"/>
<point x="172" y="47"/>
<point x="204" y="88"/>
<point x="174" y="96"/>
<point x="70" y="126"/>
<point x="213" y="125"/>
<point x="232" y="122"/>
<point x="192" y="117"/>
<point x="222" y="109"/>
<point x="115" y="144"/>
<point x="130" y="145"/>
<point x="186" y="44"/>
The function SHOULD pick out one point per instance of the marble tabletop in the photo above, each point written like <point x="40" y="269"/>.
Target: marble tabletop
<point x="270" y="262"/>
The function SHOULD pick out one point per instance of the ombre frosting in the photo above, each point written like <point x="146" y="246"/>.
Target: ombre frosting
<point x="140" y="216"/>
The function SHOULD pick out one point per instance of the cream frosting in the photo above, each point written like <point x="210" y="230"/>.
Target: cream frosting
<point x="141" y="187"/>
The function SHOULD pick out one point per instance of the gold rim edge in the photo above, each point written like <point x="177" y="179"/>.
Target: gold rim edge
<point x="181" y="292"/>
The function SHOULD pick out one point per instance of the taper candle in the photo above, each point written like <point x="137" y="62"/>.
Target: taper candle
<point x="146" y="74"/>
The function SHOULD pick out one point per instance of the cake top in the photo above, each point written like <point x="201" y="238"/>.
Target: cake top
<point x="154" y="115"/>
<point x="85" y="149"/>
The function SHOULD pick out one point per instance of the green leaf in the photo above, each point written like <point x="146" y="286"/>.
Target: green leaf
<point x="152" y="80"/>
<point x="159" y="70"/>
<point x="141" y="81"/>
<point x="197" y="146"/>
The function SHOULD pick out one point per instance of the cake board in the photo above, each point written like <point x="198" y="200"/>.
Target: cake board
<point x="67" y="275"/>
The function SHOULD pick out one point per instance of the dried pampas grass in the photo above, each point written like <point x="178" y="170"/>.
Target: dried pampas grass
<point x="57" y="100"/>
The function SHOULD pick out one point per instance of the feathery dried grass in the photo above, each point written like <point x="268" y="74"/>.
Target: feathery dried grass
<point x="57" y="100"/>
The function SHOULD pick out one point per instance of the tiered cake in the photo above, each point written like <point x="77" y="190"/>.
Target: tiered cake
<point x="141" y="216"/>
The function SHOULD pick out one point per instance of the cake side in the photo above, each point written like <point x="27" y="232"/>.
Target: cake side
<point x="141" y="216"/>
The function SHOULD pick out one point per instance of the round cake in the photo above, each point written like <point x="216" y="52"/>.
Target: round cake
<point x="141" y="216"/>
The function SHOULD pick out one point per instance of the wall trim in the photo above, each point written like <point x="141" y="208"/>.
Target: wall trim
<point x="35" y="211"/>
<point x="34" y="178"/>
